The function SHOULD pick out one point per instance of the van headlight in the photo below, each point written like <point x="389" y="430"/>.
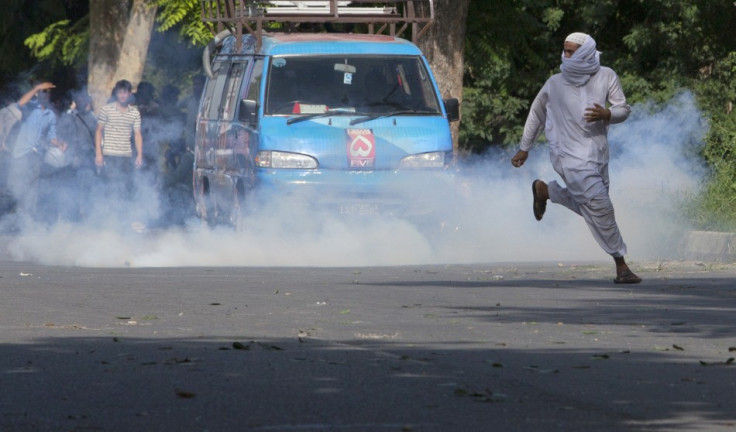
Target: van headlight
<point x="278" y="159"/>
<point x="424" y="160"/>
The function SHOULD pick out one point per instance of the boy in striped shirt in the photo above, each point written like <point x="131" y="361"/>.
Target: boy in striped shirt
<point x="116" y="123"/>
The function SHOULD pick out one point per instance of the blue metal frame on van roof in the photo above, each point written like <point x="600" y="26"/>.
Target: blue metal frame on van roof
<point x="320" y="44"/>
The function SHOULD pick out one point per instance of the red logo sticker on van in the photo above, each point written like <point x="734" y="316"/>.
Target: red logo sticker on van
<point x="361" y="149"/>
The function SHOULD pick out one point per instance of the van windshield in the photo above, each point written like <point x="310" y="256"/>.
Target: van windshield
<point x="364" y="85"/>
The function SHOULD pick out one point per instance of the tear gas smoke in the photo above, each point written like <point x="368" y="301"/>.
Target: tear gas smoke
<point x="488" y="216"/>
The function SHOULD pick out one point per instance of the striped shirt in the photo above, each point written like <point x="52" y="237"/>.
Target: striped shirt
<point x="118" y="127"/>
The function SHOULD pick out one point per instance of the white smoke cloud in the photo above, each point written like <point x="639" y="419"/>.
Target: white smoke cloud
<point x="488" y="217"/>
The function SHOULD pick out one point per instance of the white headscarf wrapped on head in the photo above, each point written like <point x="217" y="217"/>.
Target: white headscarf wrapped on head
<point x="583" y="63"/>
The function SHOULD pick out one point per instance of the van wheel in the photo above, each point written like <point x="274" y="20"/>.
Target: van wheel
<point x="237" y="218"/>
<point x="205" y="208"/>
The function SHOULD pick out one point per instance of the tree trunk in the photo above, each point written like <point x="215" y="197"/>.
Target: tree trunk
<point x="119" y="39"/>
<point x="107" y="20"/>
<point x="443" y="44"/>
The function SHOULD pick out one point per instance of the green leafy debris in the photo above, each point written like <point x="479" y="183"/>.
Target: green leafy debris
<point x="269" y="347"/>
<point x="184" y="394"/>
<point x="728" y="362"/>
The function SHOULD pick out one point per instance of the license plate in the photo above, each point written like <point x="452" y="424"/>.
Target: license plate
<point x="360" y="210"/>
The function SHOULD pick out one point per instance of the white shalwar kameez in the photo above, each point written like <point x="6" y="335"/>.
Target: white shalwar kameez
<point x="579" y="150"/>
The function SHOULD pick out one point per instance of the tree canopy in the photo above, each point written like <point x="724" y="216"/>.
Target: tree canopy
<point x="656" y="46"/>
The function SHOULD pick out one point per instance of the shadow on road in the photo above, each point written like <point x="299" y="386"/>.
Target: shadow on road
<point x="405" y="349"/>
<point x="122" y="384"/>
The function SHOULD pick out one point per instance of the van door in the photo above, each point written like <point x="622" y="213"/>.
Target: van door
<point x="225" y="160"/>
<point x="246" y="128"/>
<point x="204" y="154"/>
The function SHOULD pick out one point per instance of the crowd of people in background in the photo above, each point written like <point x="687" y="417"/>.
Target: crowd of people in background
<point x="60" y="160"/>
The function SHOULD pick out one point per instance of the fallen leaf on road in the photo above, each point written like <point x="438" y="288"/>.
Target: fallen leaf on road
<point x="268" y="347"/>
<point x="184" y="394"/>
<point x="482" y="396"/>
<point x="542" y="371"/>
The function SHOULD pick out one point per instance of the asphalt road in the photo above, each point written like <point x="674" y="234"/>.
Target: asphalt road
<point x="486" y="347"/>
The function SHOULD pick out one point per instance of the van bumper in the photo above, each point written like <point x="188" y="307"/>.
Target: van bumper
<point x="402" y="193"/>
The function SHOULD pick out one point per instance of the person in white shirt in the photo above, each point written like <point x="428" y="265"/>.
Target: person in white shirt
<point x="571" y="110"/>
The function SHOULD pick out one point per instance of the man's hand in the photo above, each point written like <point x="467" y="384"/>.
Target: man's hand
<point x="519" y="158"/>
<point x="597" y="113"/>
<point x="60" y="144"/>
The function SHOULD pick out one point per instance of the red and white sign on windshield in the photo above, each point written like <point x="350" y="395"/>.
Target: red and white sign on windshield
<point x="361" y="148"/>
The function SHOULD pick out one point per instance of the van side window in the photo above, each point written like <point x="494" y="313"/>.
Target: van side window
<point x="209" y="91"/>
<point x="215" y="106"/>
<point x="232" y="88"/>
<point x="254" y="87"/>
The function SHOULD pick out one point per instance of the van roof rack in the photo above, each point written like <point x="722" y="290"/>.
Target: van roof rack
<point x="392" y="17"/>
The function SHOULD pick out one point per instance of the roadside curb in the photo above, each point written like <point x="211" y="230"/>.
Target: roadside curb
<point x="709" y="246"/>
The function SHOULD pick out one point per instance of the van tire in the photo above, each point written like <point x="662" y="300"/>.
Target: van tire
<point x="237" y="218"/>
<point x="205" y="209"/>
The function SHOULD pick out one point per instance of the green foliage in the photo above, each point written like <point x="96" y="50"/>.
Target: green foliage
<point x="506" y="59"/>
<point x="488" y="115"/>
<point x="657" y="47"/>
<point x="184" y="15"/>
<point x="69" y="44"/>
<point x="47" y="44"/>
<point x="38" y="42"/>
<point x="20" y="18"/>
<point x="715" y="208"/>
<point x="61" y="42"/>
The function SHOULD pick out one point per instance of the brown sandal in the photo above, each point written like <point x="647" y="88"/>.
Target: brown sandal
<point x="627" y="277"/>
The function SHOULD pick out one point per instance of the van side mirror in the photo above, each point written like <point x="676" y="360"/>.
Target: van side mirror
<point x="452" y="108"/>
<point x="248" y="113"/>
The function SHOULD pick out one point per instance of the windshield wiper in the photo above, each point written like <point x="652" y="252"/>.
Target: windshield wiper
<point x="370" y="117"/>
<point x="330" y="112"/>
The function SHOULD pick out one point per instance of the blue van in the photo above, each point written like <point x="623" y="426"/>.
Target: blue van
<point x="350" y="123"/>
